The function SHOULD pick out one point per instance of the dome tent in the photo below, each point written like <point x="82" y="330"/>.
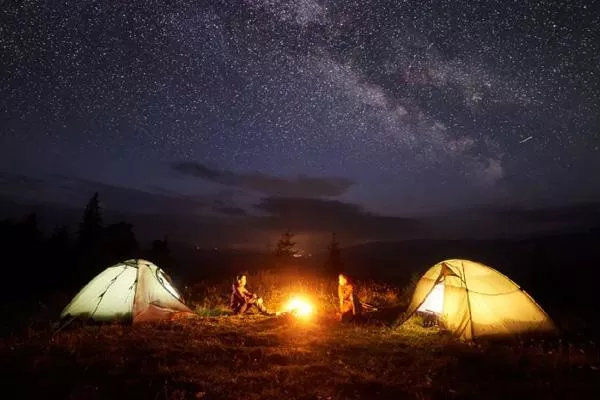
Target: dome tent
<point x="472" y="300"/>
<point x="132" y="290"/>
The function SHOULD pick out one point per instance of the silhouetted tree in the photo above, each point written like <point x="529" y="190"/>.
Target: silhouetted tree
<point x="58" y="243"/>
<point x="91" y="228"/>
<point x="58" y="258"/>
<point x="91" y="255"/>
<point x="21" y="253"/>
<point x="28" y="240"/>
<point x="334" y="264"/>
<point x="160" y="253"/>
<point x="285" y="246"/>
<point x="120" y="242"/>
<point x="29" y="232"/>
<point x="6" y="235"/>
<point x="25" y="237"/>
<point x="9" y="257"/>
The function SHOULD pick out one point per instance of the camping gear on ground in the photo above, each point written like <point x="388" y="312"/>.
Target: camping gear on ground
<point x="472" y="300"/>
<point x="133" y="290"/>
<point x="368" y="307"/>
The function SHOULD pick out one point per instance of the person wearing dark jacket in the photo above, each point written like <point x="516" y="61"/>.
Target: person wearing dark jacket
<point x="242" y="299"/>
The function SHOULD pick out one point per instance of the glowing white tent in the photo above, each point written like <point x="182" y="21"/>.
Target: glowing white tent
<point x="134" y="290"/>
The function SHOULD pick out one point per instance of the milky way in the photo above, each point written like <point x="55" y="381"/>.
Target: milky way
<point x="422" y="105"/>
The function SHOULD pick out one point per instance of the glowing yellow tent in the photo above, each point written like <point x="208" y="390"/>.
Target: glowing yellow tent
<point x="472" y="300"/>
<point x="133" y="290"/>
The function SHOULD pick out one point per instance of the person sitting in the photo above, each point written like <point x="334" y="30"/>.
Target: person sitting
<point x="242" y="299"/>
<point x="349" y="304"/>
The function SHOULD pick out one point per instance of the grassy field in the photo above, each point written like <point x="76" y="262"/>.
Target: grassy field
<point x="256" y="357"/>
<point x="219" y="356"/>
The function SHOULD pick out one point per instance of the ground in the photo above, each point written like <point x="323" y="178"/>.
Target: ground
<point x="256" y="357"/>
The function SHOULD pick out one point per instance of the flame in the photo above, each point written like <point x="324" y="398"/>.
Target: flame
<point x="299" y="306"/>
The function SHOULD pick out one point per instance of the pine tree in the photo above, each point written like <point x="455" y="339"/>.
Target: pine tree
<point x="59" y="241"/>
<point x="160" y="252"/>
<point x="91" y="256"/>
<point x="90" y="228"/>
<point x="334" y="258"/>
<point x="120" y="242"/>
<point x="29" y="233"/>
<point x="285" y="246"/>
<point x="26" y="248"/>
<point x="58" y="256"/>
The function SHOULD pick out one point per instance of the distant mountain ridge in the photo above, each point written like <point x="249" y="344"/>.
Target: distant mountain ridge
<point x="211" y="232"/>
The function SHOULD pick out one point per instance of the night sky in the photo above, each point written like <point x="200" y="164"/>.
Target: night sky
<point x="369" y="113"/>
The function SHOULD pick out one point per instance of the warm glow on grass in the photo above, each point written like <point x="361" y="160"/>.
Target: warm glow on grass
<point x="299" y="306"/>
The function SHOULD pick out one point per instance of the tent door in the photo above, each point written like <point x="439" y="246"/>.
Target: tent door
<point x="434" y="302"/>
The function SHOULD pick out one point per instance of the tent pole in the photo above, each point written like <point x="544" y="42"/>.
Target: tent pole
<point x="406" y="317"/>
<point x="468" y="301"/>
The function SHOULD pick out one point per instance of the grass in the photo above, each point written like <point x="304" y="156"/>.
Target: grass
<point x="212" y="298"/>
<point x="219" y="356"/>
<point x="255" y="357"/>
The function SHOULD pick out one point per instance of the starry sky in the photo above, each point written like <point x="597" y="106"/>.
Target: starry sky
<point x="312" y="111"/>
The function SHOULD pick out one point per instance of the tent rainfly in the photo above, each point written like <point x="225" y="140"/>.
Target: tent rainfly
<point x="472" y="300"/>
<point x="133" y="290"/>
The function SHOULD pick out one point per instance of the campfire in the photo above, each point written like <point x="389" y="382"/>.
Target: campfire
<point x="299" y="306"/>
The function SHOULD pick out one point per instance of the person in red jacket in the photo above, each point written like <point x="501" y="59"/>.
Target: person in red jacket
<point x="242" y="299"/>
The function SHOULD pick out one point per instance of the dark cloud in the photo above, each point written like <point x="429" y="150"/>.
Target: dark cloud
<point x="299" y="186"/>
<point x="224" y="208"/>
<point x="17" y="182"/>
<point x="75" y="192"/>
<point x="319" y="215"/>
<point x="314" y="216"/>
<point x="225" y="219"/>
<point x="584" y="213"/>
<point x="202" y="220"/>
<point x="513" y="222"/>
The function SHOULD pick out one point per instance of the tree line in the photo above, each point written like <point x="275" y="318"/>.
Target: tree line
<point x="68" y="258"/>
